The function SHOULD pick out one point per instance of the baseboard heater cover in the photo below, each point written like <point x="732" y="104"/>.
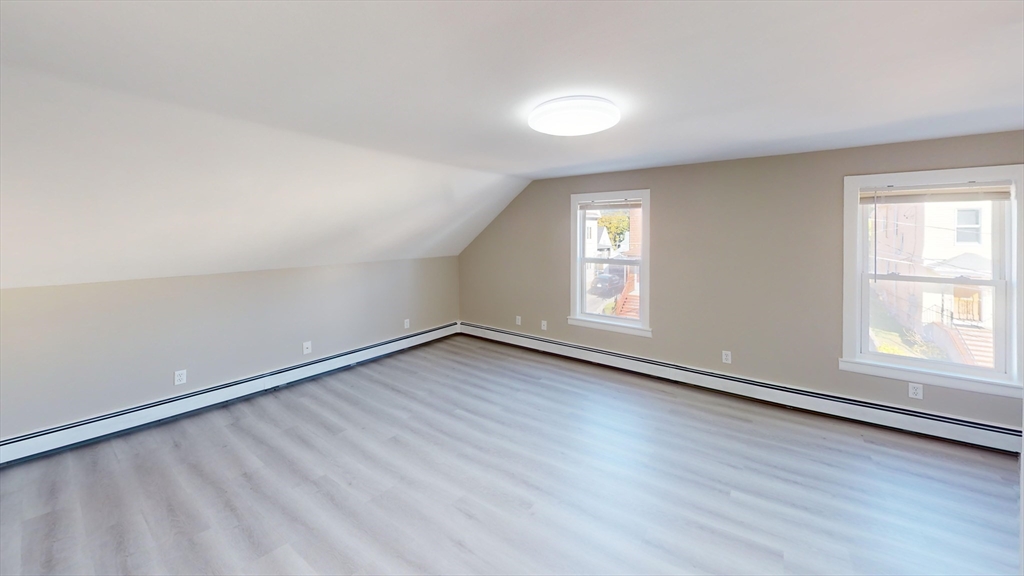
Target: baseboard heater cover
<point x="938" y="425"/>
<point x="43" y="441"/>
<point x="59" y="437"/>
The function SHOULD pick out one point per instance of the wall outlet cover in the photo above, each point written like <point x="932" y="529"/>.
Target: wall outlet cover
<point x="307" y="347"/>
<point x="543" y="324"/>
<point x="406" y="322"/>
<point x="916" y="391"/>
<point x="519" y="320"/>
<point x="179" y="377"/>
<point x="726" y="357"/>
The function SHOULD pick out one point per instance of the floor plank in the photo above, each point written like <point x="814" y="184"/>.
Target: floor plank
<point x="470" y="457"/>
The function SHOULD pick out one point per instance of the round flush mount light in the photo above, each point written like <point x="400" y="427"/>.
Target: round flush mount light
<point x="574" y="116"/>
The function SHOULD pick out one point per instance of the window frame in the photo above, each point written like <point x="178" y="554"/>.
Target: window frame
<point x="577" y="317"/>
<point x="1008" y="279"/>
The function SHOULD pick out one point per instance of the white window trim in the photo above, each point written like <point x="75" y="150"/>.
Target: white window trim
<point x="1004" y="383"/>
<point x="576" y="315"/>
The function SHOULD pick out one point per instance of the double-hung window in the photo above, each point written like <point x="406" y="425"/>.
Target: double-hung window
<point x="610" y="261"/>
<point x="932" y="277"/>
<point x="968" y="225"/>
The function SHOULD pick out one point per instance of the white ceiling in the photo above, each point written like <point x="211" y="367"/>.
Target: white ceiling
<point x="452" y="82"/>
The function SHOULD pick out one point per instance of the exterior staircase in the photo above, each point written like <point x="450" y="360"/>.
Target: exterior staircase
<point x="978" y="342"/>
<point x="628" y="303"/>
<point x="629" y="306"/>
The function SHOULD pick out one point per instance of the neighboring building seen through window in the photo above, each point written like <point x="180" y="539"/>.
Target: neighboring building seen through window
<point x="935" y="299"/>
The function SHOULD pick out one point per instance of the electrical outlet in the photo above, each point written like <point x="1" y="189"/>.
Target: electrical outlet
<point x="726" y="357"/>
<point x="307" y="347"/>
<point x="179" y="377"/>
<point x="519" y="320"/>
<point x="406" y="322"/>
<point x="543" y="324"/>
<point x="916" y="391"/>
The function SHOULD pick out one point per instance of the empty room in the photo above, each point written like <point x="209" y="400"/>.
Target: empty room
<point x="511" y="288"/>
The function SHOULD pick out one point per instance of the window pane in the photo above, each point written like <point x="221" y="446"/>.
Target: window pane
<point x="611" y="290"/>
<point x="968" y="235"/>
<point x="923" y="239"/>
<point x="968" y="217"/>
<point x="946" y="322"/>
<point x="610" y="233"/>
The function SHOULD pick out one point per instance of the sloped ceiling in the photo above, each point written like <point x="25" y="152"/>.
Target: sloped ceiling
<point x="146" y="139"/>
<point x="98" y="186"/>
<point x="452" y="82"/>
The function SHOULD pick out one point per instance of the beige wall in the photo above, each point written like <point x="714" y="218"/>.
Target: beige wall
<point x="746" y="255"/>
<point x="76" y="351"/>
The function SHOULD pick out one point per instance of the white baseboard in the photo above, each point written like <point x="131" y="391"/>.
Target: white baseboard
<point x="938" y="425"/>
<point x="42" y="441"/>
<point x="978" y="433"/>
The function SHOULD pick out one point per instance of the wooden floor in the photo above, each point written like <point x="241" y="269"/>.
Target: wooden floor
<point x="466" y="456"/>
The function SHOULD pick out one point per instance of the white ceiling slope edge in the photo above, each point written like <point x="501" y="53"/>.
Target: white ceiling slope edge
<point x="98" y="186"/>
<point x="453" y="82"/>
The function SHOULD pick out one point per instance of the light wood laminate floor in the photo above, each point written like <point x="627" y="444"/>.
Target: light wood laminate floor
<point x="467" y="456"/>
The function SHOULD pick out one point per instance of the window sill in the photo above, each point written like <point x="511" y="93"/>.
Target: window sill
<point x="611" y="326"/>
<point x="982" y="385"/>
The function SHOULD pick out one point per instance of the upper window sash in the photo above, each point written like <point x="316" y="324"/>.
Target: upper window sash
<point x="1001" y="230"/>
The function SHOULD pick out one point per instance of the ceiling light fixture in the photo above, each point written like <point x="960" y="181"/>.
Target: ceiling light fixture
<point x="574" y="116"/>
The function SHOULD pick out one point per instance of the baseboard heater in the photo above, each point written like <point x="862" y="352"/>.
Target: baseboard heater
<point x="59" y="437"/>
<point x="938" y="425"/>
